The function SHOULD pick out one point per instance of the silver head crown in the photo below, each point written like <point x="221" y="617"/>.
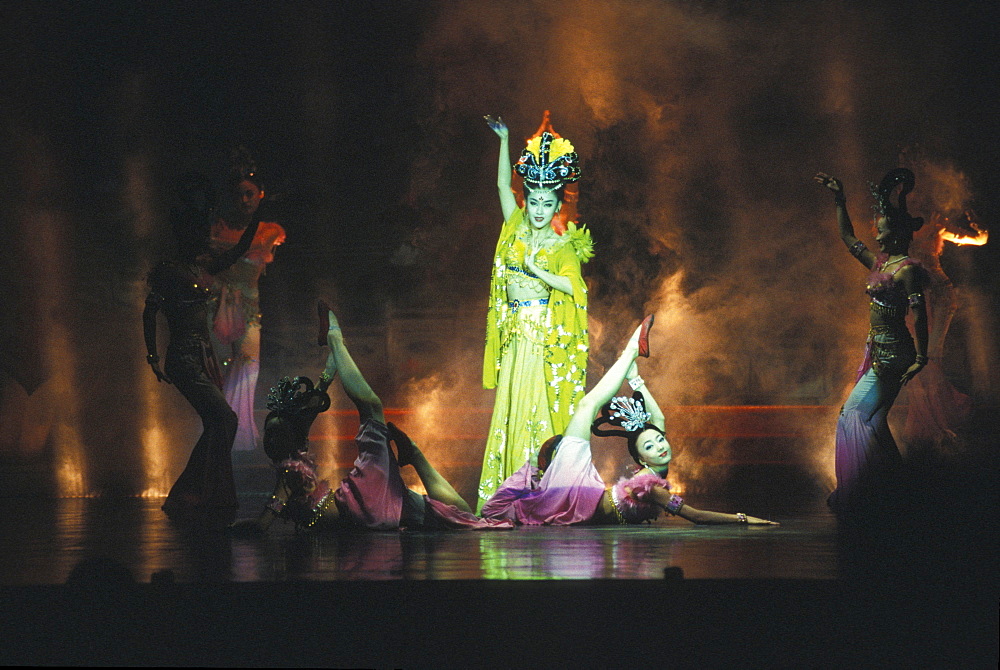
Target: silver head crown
<point x="630" y="411"/>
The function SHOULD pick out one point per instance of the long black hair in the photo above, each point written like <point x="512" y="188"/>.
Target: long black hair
<point x="899" y="219"/>
<point x="630" y="418"/>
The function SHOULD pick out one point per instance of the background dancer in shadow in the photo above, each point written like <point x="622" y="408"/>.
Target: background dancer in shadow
<point x="180" y="289"/>
<point x="236" y="321"/>
<point x="937" y="409"/>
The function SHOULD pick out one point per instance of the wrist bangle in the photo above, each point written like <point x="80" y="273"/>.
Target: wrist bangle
<point x="741" y="517"/>
<point x="922" y="359"/>
<point x="636" y="382"/>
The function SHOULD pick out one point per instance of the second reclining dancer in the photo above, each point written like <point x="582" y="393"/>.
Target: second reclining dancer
<point x="373" y="494"/>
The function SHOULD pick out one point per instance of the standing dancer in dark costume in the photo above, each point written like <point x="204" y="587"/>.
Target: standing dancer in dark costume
<point x="866" y="453"/>
<point x="180" y="288"/>
<point x="373" y="494"/>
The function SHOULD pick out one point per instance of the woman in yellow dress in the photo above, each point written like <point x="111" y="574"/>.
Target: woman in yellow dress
<point x="536" y="332"/>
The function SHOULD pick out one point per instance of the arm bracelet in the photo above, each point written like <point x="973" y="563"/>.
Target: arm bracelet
<point x="636" y="382"/>
<point x="857" y="249"/>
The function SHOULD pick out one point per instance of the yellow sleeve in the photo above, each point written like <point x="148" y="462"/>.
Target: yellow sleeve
<point x="497" y="308"/>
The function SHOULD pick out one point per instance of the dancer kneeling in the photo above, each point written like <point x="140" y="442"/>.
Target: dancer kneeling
<point x="571" y="491"/>
<point x="373" y="494"/>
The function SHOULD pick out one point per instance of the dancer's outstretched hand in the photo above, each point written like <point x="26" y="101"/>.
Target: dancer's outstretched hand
<point x="498" y="126"/>
<point x="911" y="372"/>
<point x="160" y="377"/>
<point x="829" y="181"/>
<point x="755" y="521"/>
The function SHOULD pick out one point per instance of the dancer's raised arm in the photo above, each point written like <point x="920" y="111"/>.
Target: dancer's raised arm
<point x="508" y="203"/>
<point x="637" y="383"/>
<point x="854" y="245"/>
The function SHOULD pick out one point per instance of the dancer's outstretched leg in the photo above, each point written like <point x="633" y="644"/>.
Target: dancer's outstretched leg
<point x="355" y="386"/>
<point x="603" y="391"/>
<point x="436" y="485"/>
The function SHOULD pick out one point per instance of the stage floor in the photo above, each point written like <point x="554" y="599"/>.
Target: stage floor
<point x="110" y="581"/>
<point x="46" y="539"/>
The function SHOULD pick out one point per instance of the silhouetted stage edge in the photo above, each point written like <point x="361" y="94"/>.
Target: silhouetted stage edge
<point x="593" y="623"/>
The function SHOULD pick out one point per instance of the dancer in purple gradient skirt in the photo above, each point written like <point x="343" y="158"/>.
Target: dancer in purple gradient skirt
<point x="570" y="491"/>
<point x="866" y="453"/>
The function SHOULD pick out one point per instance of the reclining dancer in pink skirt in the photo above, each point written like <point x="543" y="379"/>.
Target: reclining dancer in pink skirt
<point x="373" y="494"/>
<point x="572" y="492"/>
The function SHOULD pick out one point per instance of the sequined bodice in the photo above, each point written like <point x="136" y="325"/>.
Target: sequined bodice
<point x="184" y="298"/>
<point x="888" y="296"/>
<point x="515" y="272"/>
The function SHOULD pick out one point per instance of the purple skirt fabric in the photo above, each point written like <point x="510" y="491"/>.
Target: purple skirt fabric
<point x="442" y="515"/>
<point x="371" y="495"/>
<point x="567" y="493"/>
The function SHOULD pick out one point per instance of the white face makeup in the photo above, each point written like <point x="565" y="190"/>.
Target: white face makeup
<point x="540" y="207"/>
<point x="654" y="449"/>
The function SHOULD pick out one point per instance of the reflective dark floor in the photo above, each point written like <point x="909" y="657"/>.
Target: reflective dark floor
<point x="46" y="539"/>
<point x="110" y="581"/>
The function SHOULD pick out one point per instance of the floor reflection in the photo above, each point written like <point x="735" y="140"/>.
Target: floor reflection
<point x="46" y="539"/>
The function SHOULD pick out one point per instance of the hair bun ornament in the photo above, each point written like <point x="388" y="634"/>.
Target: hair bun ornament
<point x="244" y="166"/>
<point x="629" y="413"/>
<point x="903" y="178"/>
<point x="548" y="162"/>
<point x="290" y="396"/>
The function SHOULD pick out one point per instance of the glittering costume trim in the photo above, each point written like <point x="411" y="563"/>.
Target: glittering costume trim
<point x="633" y="498"/>
<point x="890" y="349"/>
<point x="857" y="249"/>
<point x="674" y="504"/>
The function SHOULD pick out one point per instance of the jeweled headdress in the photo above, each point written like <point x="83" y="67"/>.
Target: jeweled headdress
<point x="291" y="396"/>
<point x="896" y="213"/>
<point x="548" y="162"/>
<point x="629" y="413"/>
<point x="293" y="410"/>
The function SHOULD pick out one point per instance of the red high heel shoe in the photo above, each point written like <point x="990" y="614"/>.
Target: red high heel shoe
<point x="323" y="312"/>
<point x="647" y="325"/>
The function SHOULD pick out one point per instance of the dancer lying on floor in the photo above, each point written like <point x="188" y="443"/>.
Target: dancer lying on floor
<point x="572" y="492"/>
<point x="373" y="494"/>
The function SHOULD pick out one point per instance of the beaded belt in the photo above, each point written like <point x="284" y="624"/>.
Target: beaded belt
<point x="524" y="271"/>
<point x="517" y="304"/>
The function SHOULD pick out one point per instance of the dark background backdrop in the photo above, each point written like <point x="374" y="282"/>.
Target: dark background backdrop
<point x="700" y="125"/>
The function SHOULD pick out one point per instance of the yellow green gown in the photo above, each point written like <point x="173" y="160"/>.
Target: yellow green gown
<point x="536" y="355"/>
